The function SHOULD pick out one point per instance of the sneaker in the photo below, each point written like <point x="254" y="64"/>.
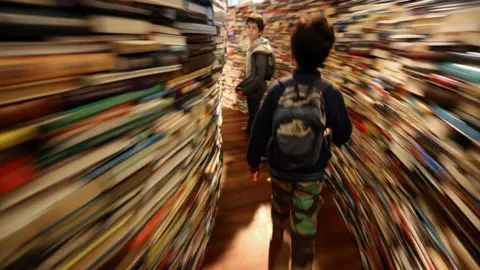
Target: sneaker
<point x="264" y="159"/>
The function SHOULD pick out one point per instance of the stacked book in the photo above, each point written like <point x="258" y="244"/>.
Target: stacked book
<point x="220" y="17"/>
<point x="234" y="69"/>
<point x="220" y="10"/>
<point x="280" y="19"/>
<point x="408" y="181"/>
<point x="110" y="148"/>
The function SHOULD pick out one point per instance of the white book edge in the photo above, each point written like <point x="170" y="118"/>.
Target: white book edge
<point x="118" y="25"/>
<point x="162" y="29"/>
<point x="167" y="3"/>
<point x="170" y="39"/>
<point x="104" y="78"/>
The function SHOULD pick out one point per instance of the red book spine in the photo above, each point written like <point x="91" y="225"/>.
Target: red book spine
<point x="17" y="173"/>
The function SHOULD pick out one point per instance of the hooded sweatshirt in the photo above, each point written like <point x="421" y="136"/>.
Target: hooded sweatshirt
<point x="256" y="67"/>
<point x="261" y="45"/>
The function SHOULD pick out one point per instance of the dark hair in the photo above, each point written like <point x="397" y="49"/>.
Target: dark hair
<point x="258" y="20"/>
<point x="311" y="41"/>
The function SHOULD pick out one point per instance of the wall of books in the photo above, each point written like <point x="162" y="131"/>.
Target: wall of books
<point x="408" y="182"/>
<point x="110" y="146"/>
<point x="279" y="18"/>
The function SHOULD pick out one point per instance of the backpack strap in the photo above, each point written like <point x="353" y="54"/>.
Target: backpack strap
<point x="322" y="84"/>
<point x="288" y="81"/>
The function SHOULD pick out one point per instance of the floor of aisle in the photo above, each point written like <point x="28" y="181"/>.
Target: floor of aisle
<point x="241" y="236"/>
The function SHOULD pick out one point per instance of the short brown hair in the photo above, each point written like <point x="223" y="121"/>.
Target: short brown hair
<point x="258" y="20"/>
<point x="311" y="41"/>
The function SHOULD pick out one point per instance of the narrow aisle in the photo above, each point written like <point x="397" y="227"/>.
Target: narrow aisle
<point x="241" y="236"/>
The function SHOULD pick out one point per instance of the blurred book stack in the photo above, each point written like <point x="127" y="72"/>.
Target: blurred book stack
<point x="280" y="18"/>
<point x="220" y="21"/>
<point x="234" y="69"/>
<point x="220" y="10"/>
<point x="110" y="146"/>
<point x="408" y="181"/>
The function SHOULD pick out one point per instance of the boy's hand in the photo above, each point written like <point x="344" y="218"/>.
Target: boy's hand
<point x="327" y="132"/>
<point x="239" y="91"/>
<point x="255" y="173"/>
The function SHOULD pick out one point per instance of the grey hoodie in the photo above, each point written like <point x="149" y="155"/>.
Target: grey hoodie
<point x="261" y="44"/>
<point x="257" y="53"/>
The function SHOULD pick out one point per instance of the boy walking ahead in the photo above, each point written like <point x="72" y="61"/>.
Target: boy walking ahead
<point x="296" y="114"/>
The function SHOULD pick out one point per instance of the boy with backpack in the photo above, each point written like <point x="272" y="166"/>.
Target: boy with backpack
<point x="301" y="114"/>
<point x="260" y="66"/>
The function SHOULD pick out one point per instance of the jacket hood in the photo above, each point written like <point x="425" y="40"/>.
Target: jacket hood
<point x="261" y="44"/>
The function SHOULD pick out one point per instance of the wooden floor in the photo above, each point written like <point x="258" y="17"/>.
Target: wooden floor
<point x="241" y="236"/>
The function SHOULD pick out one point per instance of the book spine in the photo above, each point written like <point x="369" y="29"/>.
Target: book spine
<point x="198" y="62"/>
<point x="10" y="94"/>
<point x="17" y="173"/>
<point x="85" y="111"/>
<point x="93" y="93"/>
<point x="196" y="8"/>
<point x="26" y="69"/>
<point x="29" y="110"/>
<point x="134" y="63"/>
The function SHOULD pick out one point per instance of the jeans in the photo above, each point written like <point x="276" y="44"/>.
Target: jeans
<point x="253" y="103"/>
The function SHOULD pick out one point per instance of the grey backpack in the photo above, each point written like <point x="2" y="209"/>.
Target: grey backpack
<point x="271" y="67"/>
<point x="299" y="124"/>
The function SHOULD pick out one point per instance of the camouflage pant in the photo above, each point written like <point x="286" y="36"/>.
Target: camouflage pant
<point x="302" y="198"/>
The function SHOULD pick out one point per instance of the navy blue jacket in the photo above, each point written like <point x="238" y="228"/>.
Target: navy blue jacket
<point x="337" y="119"/>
